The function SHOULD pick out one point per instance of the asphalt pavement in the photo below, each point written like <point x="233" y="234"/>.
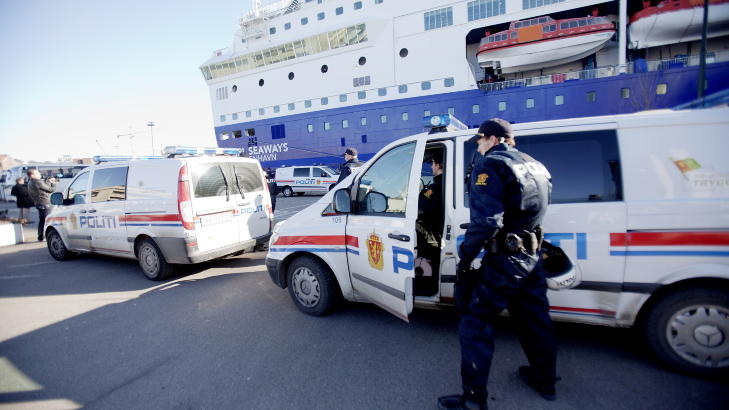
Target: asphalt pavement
<point x="94" y="332"/>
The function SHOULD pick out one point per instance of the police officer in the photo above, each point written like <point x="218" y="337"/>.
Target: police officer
<point x="509" y="194"/>
<point x="430" y="201"/>
<point x="350" y="161"/>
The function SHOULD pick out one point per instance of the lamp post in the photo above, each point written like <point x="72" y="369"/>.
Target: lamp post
<point x="150" y="124"/>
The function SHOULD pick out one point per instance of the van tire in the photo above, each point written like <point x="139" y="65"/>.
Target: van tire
<point x="56" y="247"/>
<point x="698" y="320"/>
<point x="152" y="261"/>
<point x="312" y="285"/>
<point x="287" y="191"/>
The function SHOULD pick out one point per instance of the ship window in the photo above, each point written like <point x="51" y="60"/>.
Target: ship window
<point x="250" y="132"/>
<point x="481" y="9"/>
<point x="327" y="125"/>
<point x="339" y="10"/>
<point x="425" y="85"/>
<point x="320" y="16"/>
<point x="235" y="115"/>
<point x="307" y="104"/>
<point x="403" y="52"/>
<point x="382" y="92"/>
<point x="261" y="111"/>
<point x="582" y="23"/>
<point x="362" y="61"/>
<point x="362" y="95"/>
<point x="625" y="93"/>
<point x="661" y="89"/>
<point x="451" y="111"/>
<point x="402" y="89"/>
<point x="476" y="108"/>
<point x="342" y="142"/>
<point x="563" y="26"/>
<point x="304" y="21"/>
<point x="272" y="30"/>
<point x="364" y="138"/>
<point x="558" y="99"/>
<point x="291" y="75"/>
<point x="234" y="88"/>
<point x="324" y="68"/>
<point x="573" y="24"/>
<point x="542" y="19"/>
<point x="405" y="116"/>
<point x="530" y="102"/>
<point x="276" y="108"/>
<point x="357" y="5"/>
<point x="310" y="127"/>
<point x="383" y="119"/>
<point x="292" y="106"/>
<point x="591" y="96"/>
<point x="438" y="18"/>
<point x="513" y="34"/>
<point x="426" y="113"/>
<point x="248" y="114"/>
<point x="502" y="105"/>
<point x="363" y="121"/>
<point x="379" y="1"/>
<point x="237" y="134"/>
<point x="449" y="82"/>
<point x="224" y="136"/>
<point x="517" y="25"/>
<point x="287" y="26"/>
<point x="261" y="82"/>
<point x="553" y="27"/>
<point x="278" y="131"/>
<point x="324" y="100"/>
<point x="345" y="123"/>
<point x="342" y="97"/>
<point x="222" y="118"/>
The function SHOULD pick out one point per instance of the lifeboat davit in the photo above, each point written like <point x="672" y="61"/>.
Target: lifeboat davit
<point x="543" y="42"/>
<point x="676" y="21"/>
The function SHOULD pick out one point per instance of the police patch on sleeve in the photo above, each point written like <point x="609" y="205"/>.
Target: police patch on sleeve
<point x="481" y="179"/>
<point x="428" y="193"/>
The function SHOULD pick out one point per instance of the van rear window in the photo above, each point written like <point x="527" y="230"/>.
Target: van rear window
<point x="208" y="180"/>
<point x="248" y="177"/>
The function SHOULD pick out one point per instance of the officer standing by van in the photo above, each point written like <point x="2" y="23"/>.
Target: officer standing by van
<point x="350" y="161"/>
<point x="40" y="190"/>
<point x="509" y="192"/>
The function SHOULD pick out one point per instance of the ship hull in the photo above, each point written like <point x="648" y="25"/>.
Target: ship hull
<point x="678" y="26"/>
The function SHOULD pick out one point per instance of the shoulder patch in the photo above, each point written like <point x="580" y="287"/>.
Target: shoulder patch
<point x="481" y="179"/>
<point x="428" y="193"/>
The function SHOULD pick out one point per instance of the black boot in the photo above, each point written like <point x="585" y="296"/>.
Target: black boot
<point x="458" y="402"/>
<point x="546" y="391"/>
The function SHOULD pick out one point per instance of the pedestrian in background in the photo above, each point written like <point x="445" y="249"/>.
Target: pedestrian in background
<point x="350" y="162"/>
<point x="22" y="199"/>
<point x="272" y="187"/>
<point x="508" y="193"/>
<point x="40" y="190"/>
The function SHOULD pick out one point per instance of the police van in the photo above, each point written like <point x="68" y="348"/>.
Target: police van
<point x="640" y="203"/>
<point x="198" y="204"/>
<point x="305" y="180"/>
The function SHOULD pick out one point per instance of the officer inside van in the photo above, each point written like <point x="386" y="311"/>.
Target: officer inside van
<point x="429" y="226"/>
<point x="509" y="192"/>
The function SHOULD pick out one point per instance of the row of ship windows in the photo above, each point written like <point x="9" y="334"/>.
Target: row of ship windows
<point x="361" y="95"/>
<point x="321" y="15"/>
<point x="590" y="96"/>
<point x="477" y="10"/>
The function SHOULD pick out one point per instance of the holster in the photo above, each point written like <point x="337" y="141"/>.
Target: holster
<point x="514" y="242"/>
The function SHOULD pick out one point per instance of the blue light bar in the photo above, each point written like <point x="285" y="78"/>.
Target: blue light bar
<point x="446" y="121"/>
<point x="122" y="158"/>
<point x="179" y="150"/>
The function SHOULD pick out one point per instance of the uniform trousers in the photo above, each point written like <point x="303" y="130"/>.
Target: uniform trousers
<point x="526" y="300"/>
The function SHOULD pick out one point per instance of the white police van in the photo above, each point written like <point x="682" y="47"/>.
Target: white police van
<point x="198" y="204"/>
<point x="305" y="180"/>
<point x="640" y="203"/>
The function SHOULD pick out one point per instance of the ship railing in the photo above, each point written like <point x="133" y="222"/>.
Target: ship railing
<point x="272" y="10"/>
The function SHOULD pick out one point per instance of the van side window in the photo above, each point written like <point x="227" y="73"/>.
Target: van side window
<point x="585" y="166"/>
<point x="208" y="180"/>
<point x="301" y="172"/>
<point x="318" y="172"/>
<point x="389" y="176"/>
<point x="78" y="187"/>
<point x="109" y="184"/>
<point x="248" y="177"/>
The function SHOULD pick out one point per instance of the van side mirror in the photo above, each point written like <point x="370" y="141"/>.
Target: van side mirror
<point x="79" y="199"/>
<point x="376" y="202"/>
<point x="341" y="203"/>
<point x="57" y="198"/>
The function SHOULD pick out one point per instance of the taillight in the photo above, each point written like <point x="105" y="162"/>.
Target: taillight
<point x="184" y="205"/>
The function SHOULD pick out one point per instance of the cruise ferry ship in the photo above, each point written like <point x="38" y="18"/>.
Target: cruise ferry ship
<point x="303" y="79"/>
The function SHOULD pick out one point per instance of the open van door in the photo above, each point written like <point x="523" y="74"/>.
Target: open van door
<point x="382" y="221"/>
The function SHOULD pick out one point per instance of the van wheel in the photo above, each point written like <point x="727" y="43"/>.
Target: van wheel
<point x="287" y="191"/>
<point x="689" y="330"/>
<point x="153" y="263"/>
<point x="56" y="247"/>
<point x="312" y="285"/>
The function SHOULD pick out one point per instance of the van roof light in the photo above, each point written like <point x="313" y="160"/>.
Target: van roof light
<point x="122" y="158"/>
<point x="443" y="123"/>
<point x="173" y="150"/>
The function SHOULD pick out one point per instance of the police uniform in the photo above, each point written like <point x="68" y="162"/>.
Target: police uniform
<point x="346" y="168"/>
<point x="509" y="193"/>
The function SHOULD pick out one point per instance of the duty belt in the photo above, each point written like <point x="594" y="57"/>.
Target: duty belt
<point x="513" y="242"/>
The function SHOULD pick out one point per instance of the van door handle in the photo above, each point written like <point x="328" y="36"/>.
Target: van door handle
<point x="398" y="237"/>
<point x="465" y="226"/>
<point x="83" y="211"/>
<point x="92" y="211"/>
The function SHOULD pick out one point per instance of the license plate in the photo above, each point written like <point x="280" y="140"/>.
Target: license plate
<point x="214" y="219"/>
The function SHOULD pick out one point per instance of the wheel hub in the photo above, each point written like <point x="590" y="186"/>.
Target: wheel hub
<point x="306" y="287"/>
<point x="708" y="335"/>
<point x="698" y="335"/>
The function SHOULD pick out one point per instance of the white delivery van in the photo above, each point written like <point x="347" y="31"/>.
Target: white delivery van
<point x="187" y="208"/>
<point x="305" y="180"/>
<point x="640" y="203"/>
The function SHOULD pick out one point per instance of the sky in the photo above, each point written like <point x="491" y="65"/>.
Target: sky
<point x="78" y="76"/>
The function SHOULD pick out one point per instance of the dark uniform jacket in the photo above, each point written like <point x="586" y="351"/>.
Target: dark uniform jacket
<point x="430" y="207"/>
<point x="509" y="192"/>
<point x="346" y="168"/>
<point x="23" y="199"/>
<point x="40" y="191"/>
